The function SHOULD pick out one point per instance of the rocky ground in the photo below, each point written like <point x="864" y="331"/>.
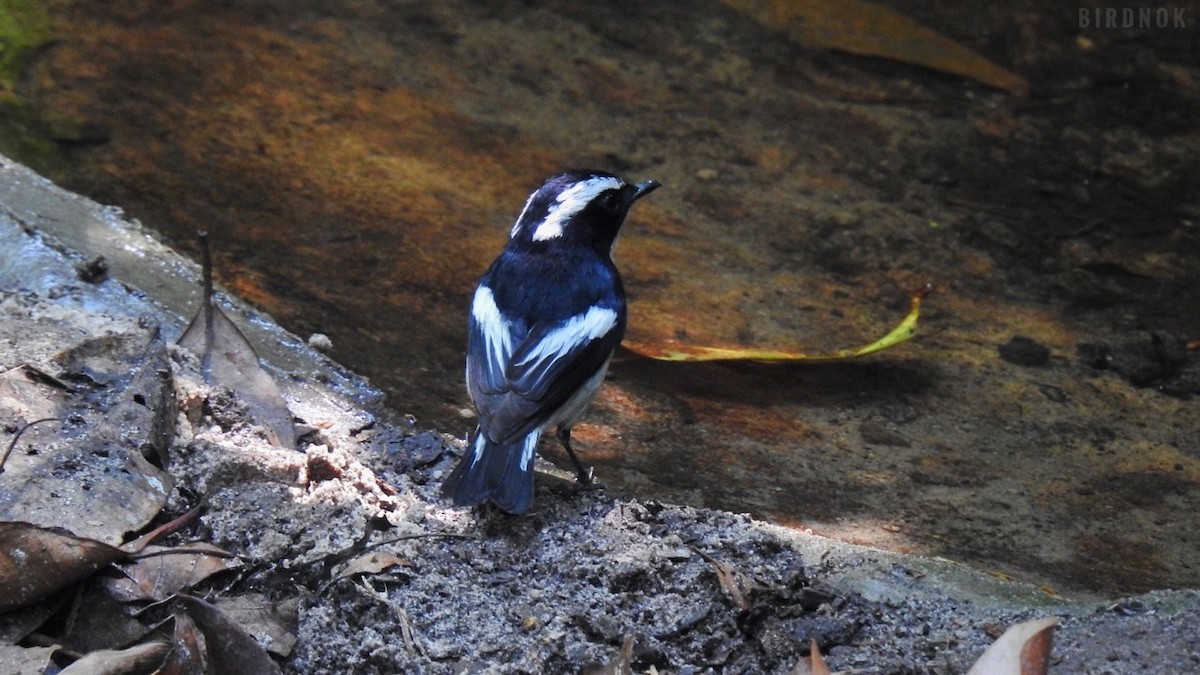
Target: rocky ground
<point x="358" y="165"/>
<point x="441" y="589"/>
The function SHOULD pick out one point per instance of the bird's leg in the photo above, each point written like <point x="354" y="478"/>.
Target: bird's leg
<point x="584" y="476"/>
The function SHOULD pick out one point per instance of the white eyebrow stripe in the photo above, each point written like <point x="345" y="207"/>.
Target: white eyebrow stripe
<point x="570" y="202"/>
<point x="517" y="225"/>
<point x="578" y="330"/>
<point x="493" y="326"/>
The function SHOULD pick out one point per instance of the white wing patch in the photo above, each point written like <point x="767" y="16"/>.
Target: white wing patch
<point x="477" y="450"/>
<point x="529" y="449"/>
<point x="570" y="202"/>
<point x="494" y="327"/>
<point x="577" y="330"/>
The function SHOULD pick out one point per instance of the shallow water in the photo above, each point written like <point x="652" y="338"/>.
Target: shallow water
<point x="359" y="164"/>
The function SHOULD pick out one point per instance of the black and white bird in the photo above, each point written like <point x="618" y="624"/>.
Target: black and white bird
<point x="544" y="323"/>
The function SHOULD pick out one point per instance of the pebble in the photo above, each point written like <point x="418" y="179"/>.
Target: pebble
<point x="1024" y="351"/>
<point x="320" y="342"/>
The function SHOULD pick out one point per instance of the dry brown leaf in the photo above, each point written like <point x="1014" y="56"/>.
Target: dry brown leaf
<point x="143" y="658"/>
<point x="35" y="562"/>
<point x="16" y="626"/>
<point x="731" y="583"/>
<point x="227" y="359"/>
<point x="27" y="394"/>
<point x="229" y="648"/>
<point x="160" y="572"/>
<point x="1023" y="649"/>
<point x="273" y="624"/>
<point x="98" y="621"/>
<point x="26" y="660"/>
<point x="866" y="28"/>
<point x="735" y="584"/>
<point x="813" y="664"/>
<point x="90" y="476"/>
<point x="188" y="654"/>
<point x="621" y="664"/>
<point x="372" y="563"/>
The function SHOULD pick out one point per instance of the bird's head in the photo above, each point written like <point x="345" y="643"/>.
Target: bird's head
<point x="578" y="207"/>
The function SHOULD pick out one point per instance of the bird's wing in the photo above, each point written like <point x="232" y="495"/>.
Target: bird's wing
<point x="490" y="340"/>
<point x="519" y="393"/>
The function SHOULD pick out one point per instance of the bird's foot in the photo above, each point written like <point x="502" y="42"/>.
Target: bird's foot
<point x="585" y="476"/>
<point x="586" y="480"/>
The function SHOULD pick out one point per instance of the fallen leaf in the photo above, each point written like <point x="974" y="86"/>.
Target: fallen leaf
<point x="372" y="563"/>
<point x="188" y="654"/>
<point x="27" y="400"/>
<point x="1049" y="590"/>
<point x="150" y="397"/>
<point x="901" y="333"/>
<point x="813" y="664"/>
<point x="160" y="572"/>
<point x="143" y="658"/>
<point x="735" y="584"/>
<point x="98" y="621"/>
<point x="621" y="664"/>
<point x="26" y="660"/>
<point x="867" y="28"/>
<point x="1023" y="649"/>
<point x="227" y="359"/>
<point x="12" y="443"/>
<point x="272" y="624"/>
<point x="89" y="476"/>
<point x="16" y="626"/>
<point x="35" y="562"/>
<point x="229" y="648"/>
<point x="29" y="394"/>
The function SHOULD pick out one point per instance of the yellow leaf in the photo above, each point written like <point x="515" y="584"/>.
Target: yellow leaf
<point x="869" y="29"/>
<point x="902" y="332"/>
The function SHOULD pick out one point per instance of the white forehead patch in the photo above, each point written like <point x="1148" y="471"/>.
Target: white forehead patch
<point x="572" y="200"/>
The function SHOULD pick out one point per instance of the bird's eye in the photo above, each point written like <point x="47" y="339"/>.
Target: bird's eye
<point x="609" y="201"/>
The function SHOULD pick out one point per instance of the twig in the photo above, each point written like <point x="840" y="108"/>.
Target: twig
<point x="13" y="443"/>
<point x="411" y="644"/>
<point x="209" y="324"/>
<point x="425" y="535"/>
<point x="215" y="553"/>
<point x="361" y="546"/>
<point x="143" y="541"/>
<point x="406" y="631"/>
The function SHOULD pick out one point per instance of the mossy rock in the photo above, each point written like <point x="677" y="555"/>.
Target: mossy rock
<point x="24" y="26"/>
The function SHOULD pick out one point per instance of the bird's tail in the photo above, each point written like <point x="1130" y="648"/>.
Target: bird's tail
<point x="501" y="473"/>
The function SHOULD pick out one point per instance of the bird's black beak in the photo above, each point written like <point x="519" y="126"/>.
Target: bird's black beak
<point x="644" y="188"/>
